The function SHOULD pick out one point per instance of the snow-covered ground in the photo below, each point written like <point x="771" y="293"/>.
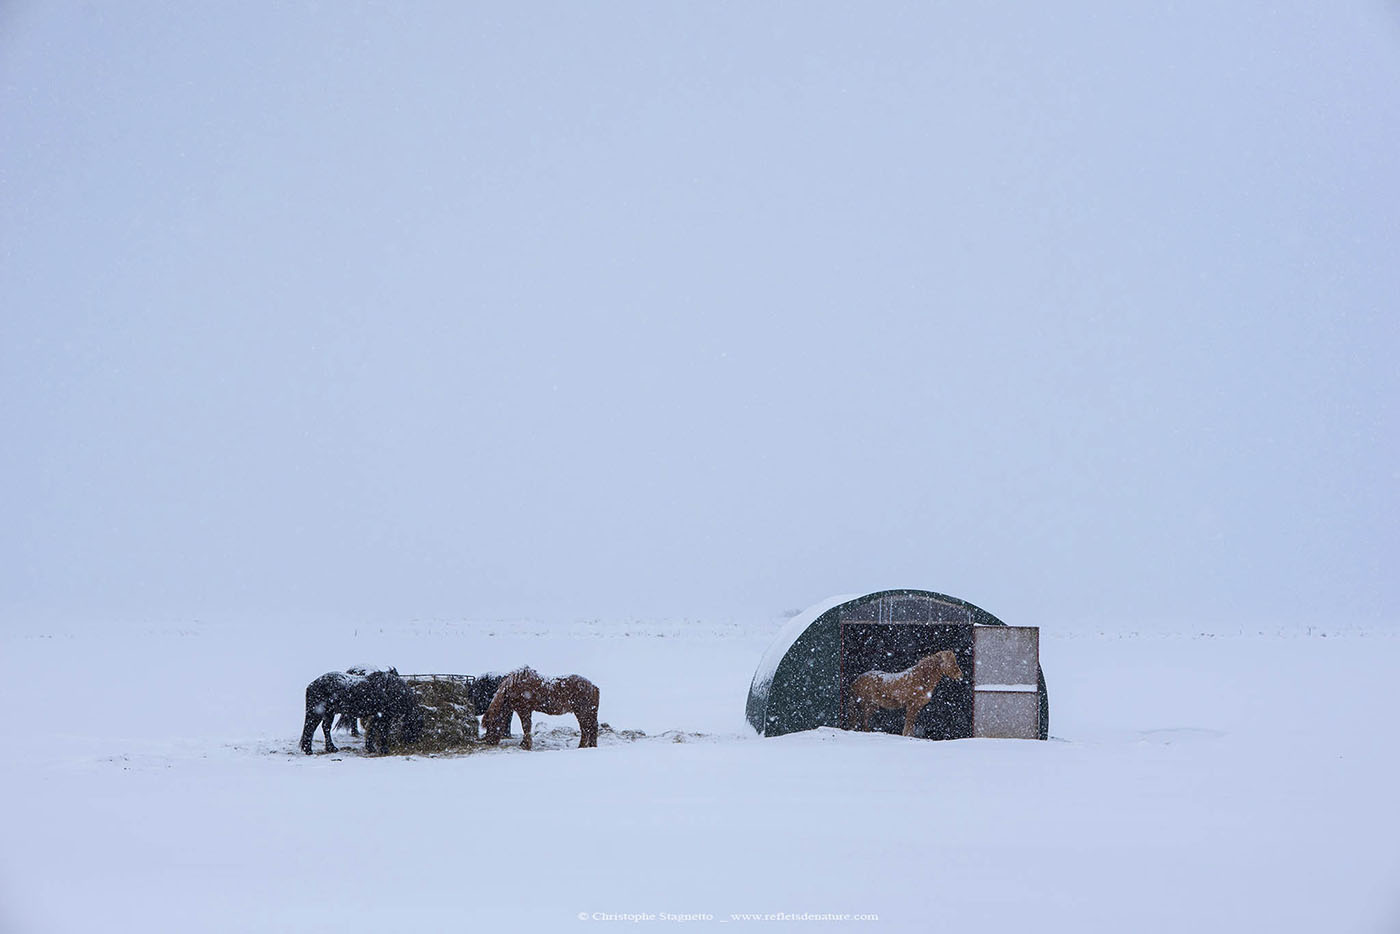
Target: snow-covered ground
<point x="1237" y="780"/>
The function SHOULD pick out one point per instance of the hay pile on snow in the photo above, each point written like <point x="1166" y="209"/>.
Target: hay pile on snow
<point x="449" y="717"/>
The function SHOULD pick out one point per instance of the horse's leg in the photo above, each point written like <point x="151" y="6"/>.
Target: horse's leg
<point x="326" y="722"/>
<point x="911" y="713"/>
<point x="588" y="731"/>
<point x="588" y="727"/>
<point x="377" y="734"/>
<point x="525" y="713"/>
<point x="308" y="730"/>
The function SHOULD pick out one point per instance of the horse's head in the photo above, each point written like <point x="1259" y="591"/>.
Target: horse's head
<point x="939" y="664"/>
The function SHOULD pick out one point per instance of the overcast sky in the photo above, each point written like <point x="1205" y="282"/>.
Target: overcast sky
<point x="1078" y="311"/>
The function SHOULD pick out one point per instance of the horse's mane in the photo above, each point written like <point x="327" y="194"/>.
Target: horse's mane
<point x="933" y="666"/>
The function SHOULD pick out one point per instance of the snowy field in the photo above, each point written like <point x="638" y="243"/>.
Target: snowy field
<point x="1235" y="780"/>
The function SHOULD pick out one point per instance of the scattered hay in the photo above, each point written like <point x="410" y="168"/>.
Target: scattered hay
<point x="631" y="736"/>
<point x="450" y="728"/>
<point x="683" y="736"/>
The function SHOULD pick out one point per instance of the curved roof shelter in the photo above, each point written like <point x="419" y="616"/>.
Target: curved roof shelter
<point x="802" y="680"/>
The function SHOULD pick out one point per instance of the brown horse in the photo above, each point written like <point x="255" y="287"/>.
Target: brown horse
<point x="523" y="691"/>
<point x="910" y="689"/>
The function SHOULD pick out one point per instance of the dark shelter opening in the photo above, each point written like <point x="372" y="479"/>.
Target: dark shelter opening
<point x="893" y="647"/>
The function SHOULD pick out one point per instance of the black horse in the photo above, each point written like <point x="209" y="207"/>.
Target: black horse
<point x="381" y="698"/>
<point x="353" y="723"/>
<point x="483" y="689"/>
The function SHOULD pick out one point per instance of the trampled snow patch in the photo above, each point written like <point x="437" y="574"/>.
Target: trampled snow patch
<point x="545" y="737"/>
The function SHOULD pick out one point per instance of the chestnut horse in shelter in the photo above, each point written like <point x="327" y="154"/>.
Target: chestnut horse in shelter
<point x="910" y="690"/>
<point x="524" y="691"/>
